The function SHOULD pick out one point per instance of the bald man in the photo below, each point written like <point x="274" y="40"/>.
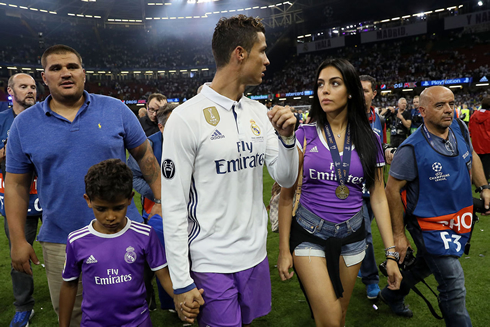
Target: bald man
<point x="22" y="89"/>
<point x="434" y="166"/>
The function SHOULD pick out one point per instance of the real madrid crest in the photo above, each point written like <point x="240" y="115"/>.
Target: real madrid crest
<point x="130" y="255"/>
<point x="255" y="128"/>
<point x="212" y="116"/>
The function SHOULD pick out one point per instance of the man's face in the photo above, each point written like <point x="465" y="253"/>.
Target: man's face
<point x="256" y="62"/>
<point x="153" y="107"/>
<point x="369" y="94"/>
<point x="415" y="103"/>
<point x="402" y="104"/>
<point x="438" y="111"/>
<point x="24" y="91"/>
<point x="64" y="76"/>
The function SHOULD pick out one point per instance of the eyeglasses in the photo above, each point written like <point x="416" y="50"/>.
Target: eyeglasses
<point x="152" y="111"/>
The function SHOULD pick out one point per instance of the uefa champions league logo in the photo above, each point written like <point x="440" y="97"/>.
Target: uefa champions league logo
<point x="437" y="167"/>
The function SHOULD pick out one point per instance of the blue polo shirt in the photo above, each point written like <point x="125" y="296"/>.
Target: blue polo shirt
<point x="61" y="152"/>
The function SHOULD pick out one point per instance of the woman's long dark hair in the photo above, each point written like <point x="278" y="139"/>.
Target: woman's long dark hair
<point x="363" y="137"/>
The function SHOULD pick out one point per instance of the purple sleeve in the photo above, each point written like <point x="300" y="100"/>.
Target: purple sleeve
<point x="135" y="136"/>
<point x="403" y="165"/>
<point x="155" y="256"/>
<point x="300" y="134"/>
<point x="17" y="161"/>
<point x="71" y="270"/>
<point x="380" y="160"/>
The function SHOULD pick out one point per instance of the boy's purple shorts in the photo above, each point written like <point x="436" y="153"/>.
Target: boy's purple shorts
<point x="146" y="323"/>
<point x="234" y="299"/>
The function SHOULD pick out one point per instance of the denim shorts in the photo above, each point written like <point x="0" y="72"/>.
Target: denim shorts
<point x="352" y="253"/>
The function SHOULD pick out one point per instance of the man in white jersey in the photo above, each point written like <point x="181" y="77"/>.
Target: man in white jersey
<point x="212" y="163"/>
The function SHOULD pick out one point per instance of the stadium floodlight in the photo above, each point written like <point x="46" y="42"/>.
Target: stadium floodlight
<point x="271" y="6"/>
<point x="39" y="69"/>
<point x="428" y="12"/>
<point x="456" y="86"/>
<point x="101" y="72"/>
<point x="183" y="70"/>
<point x="241" y="9"/>
<point x="161" y="71"/>
<point x="256" y="7"/>
<point x="439" y="10"/>
<point x="263" y="7"/>
<point x="172" y="71"/>
<point x="480" y="3"/>
<point x="405" y="17"/>
<point x="136" y="72"/>
<point x="204" y="69"/>
<point x="79" y="15"/>
<point x="70" y="14"/>
<point x="2" y="4"/>
<point x="124" y="72"/>
<point x="395" y="18"/>
<point x="282" y="99"/>
<point x="42" y="10"/>
<point x="483" y="84"/>
<point x="23" y="7"/>
<point x="53" y="12"/>
<point x="168" y="3"/>
<point x="451" y="8"/>
<point x="194" y="70"/>
<point x="10" y="5"/>
<point x="385" y="20"/>
<point x="89" y="71"/>
<point x="460" y="6"/>
<point x="232" y="10"/>
<point x="151" y="3"/>
<point x="89" y="16"/>
<point x="296" y="98"/>
<point x="26" y="68"/>
<point x="407" y="90"/>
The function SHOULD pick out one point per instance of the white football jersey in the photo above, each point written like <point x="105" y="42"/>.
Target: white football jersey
<point x="214" y="151"/>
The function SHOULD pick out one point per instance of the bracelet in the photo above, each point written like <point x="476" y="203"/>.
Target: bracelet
<point x="481" y="188"/>
<point x="390" y="258"/>
<point x="389" y="248"/>
<point x="157" y="201"/>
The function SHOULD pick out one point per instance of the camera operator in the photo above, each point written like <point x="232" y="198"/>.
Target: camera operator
<point x="400" y="121"/>
<point x="417" y="119"/>
<point x="438" y="159"/>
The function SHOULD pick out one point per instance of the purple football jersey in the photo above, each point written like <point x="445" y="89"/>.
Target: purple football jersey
<point x="320" y="180"/>
<point x="112" y="272"/>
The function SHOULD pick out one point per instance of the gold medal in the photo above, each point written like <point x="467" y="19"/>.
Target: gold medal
<point x="342" y="192"/>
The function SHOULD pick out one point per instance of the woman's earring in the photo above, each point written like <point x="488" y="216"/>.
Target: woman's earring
<point x="350" y="96"/>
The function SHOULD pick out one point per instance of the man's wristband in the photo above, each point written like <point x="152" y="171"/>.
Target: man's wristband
<point x="157" y="201"/>
<point x="481" y="188"/>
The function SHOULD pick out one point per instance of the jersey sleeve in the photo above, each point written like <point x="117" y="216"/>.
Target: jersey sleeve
<point x="134" y="134"/>
<point x="300" y="134"/>
<point x="72" y="269"/>
<point x="155" y="253"/>
<point x="17" y="161"/>
<point x="282" y="160"/>
<point x="380" y="159"/>
<point x="178" y="156"/>
<point x="403" y="165"/>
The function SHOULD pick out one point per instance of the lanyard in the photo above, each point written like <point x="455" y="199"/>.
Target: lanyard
<point x="341" y="167"/>
<point x="447" y="144"/>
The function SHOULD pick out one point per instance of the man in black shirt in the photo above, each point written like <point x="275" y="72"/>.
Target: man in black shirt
<point x="149" y="122"/>
<point x="401" y="119"/>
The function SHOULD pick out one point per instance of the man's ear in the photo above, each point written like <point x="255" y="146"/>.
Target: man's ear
<point x="240" y="54"/>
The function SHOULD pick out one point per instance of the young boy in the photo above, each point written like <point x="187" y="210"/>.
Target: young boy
<point x="110" y="253"/>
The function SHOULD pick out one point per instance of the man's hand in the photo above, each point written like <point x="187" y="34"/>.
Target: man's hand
<point x="401" y="245"/>
<point x="399" y="114"/>
<point x="485" y="196"/>
<point x="21" y="254"/>
<point x="185" y="303"/>
<point x="389" y="156"/>
<point x="156" y="210"/>
<point x="283" y="120"/>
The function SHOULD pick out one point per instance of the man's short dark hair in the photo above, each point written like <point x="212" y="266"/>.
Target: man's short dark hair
<point x="158" y="96"/>
<point x="109" y="180"/>
<point x="164" y="112"/>
<point x="367" y="78"/>
<point x="58" y="49"/>
<point x="485" y="103"/>
<point x="232" y="32"/>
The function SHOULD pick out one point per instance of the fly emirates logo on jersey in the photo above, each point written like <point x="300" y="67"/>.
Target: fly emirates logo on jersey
<point x="246" y="160"/>
<point x="332" y="176"/>
<point x="113" y="277"/>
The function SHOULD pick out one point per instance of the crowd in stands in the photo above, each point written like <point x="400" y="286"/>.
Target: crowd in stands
<point x="427" y="57"/>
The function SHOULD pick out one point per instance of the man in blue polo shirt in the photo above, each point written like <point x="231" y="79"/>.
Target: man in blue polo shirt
<point x="22" y="89"/>
<point x="74" y="130"/>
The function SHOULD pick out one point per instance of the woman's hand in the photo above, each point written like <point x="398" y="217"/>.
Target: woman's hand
<point x="284" y="264"/>
<point x="394" y="275"/>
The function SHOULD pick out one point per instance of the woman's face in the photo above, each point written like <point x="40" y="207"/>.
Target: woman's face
<point x="332" y="91"/>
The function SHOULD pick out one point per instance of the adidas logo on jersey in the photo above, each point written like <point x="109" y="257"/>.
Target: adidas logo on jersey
<point x="217" y="135"/>
<point x="91" y="259"/>
<point x="314" y="149"/>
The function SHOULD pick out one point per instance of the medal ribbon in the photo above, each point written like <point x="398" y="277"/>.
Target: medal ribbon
<point x="341" y="167"/>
